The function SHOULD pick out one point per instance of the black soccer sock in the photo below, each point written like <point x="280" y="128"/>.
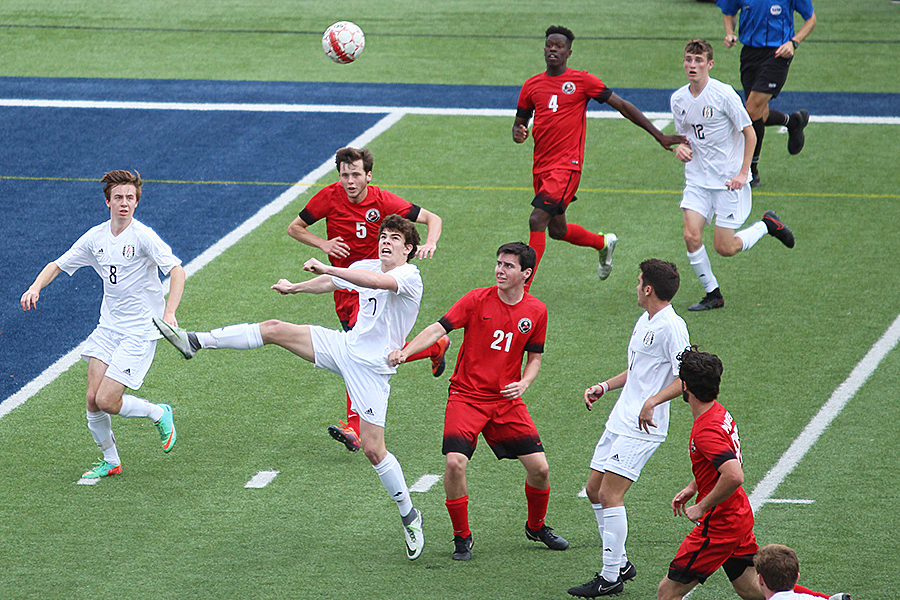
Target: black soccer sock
<point x="760" y="129"/>
<point x="776" y="118"/>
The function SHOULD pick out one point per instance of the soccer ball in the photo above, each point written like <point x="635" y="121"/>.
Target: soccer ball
<point x="343" y="42"/>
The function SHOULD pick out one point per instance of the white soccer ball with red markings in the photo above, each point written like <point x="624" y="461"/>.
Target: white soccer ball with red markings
<point x="343" y="42"/>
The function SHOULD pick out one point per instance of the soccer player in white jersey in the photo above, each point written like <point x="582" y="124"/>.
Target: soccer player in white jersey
<point x="126" y="254"/>
<point x="390" y="291"/>
<point x="625" y="447"/>
<point x="716" y="157"/>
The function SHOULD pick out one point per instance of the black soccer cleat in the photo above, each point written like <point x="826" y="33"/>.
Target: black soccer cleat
<point x="598" y="587"/>
<point x="777" y="229"/>
<point x="546" y="535"/>
<point x="754" y="178"/>
<point x="628" y="572"/>
<point x="796" y="124"/>
<point x="710" y="301"/>
<point x="462" y="547"/>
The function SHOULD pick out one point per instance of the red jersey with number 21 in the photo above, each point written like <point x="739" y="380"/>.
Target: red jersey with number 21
<point x="714" y="440"/>
<point x="559" y="104"/>
<point x="497" y="335"/>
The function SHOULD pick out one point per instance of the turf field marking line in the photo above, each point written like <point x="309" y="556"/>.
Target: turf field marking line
<point x="261" y="479"/>
<point x="274" y="207"/>
<point x="816" y="427"/>
<point x="86" y="481"/>
<point x="789" y="501"/>
<point x="424" y="483"/>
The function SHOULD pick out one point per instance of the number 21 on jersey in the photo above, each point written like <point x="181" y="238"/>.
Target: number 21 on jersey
<point x="502" y="340"/>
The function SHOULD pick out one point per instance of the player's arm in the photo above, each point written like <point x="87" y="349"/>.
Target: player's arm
<point x="33" y="293"/>
<point x="739" y="180"/>
<point x="425" y="339"/>
<point x="361" y="277"/>
<point x="336" y="247"/>
<point x="176" y="290"/>
<point x="529" y="374"/>
<point x="731" y="476"/>
<point x="730" y="22"/>
<point x="645" y="418"/>
<point x="322" y="284"/>
<point x="633" y="114"/>
<point x="786" y="50"/>
<point x="593" y="393"/>
<point x="434" y="224"/>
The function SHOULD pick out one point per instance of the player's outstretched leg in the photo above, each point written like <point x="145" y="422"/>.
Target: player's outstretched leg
<point x="778" y="229"/>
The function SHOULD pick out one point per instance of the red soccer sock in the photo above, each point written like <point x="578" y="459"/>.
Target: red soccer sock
<point x="352" y="417"/>
<point x="423" y="354"/>
<point x="459" y="515"/>
<point x="538" y="242"/>
<point x="802" y="590"/>
<point x="579" y="236"/>
<point x="537" y="506"/>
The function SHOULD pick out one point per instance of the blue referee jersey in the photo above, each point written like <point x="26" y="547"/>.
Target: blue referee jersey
<point x="766" y="23"/>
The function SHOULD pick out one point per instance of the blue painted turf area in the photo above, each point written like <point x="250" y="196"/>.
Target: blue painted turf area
<point x="40" y="219"/>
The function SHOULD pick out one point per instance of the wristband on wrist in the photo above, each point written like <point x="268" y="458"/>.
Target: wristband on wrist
<point x="604" y="387"/>
<point x="795" y="43"/>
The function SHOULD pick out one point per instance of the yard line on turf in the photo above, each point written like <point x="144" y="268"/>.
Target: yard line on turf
<point x="424" y="483"/>
<point x="261" y="479"/>
<point x="816" y="427"/>
<point x="274" y="207"/>
<point x="347" y="108"/>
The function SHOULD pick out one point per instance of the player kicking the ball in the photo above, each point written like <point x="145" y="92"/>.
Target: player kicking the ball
<point x="390" y="291"/>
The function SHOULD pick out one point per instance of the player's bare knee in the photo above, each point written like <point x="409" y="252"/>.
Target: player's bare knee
<point x="727" y="247"/>
<point x="692" y="239"/>
<point x="270" y="330"/>
<point x="538" y="220"/>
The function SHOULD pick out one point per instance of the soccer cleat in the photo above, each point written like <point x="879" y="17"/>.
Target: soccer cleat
<point x="627" y="572"/>
<point x="415" y="539"/>
<point x="777" y="229"/>
<point x="462" y="547"/>
<point x="609" y="244"/>
<point x="840" y="596"/>
<point x="546" y="535"/>
<point x="710" y="301"/>
<point x="796" y="137"/>
<point x="178" y="337"/>
<point x="102" y="469"/>
<point x="439" y="362"/>
<point x="166" y="428"/>
<point x="345" y="435"/>
<point x="598" y="587"/>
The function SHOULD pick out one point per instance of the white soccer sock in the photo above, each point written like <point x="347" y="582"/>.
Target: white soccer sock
<point x="132" y="407"/>
<point x="100" y="426"/>
<point x="700" y="263"/>
<point x="615" y="530"/>
<point x="598" y="514"/>
<point x="752" y="234"/>
<point x="391" y="475"/>
<point x="243" y="336"/>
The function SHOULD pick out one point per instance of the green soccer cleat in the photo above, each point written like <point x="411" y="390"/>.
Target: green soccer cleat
<point x="102" y="469"/>
<point x="184" y="341"/>
<point x="166" y="428"/>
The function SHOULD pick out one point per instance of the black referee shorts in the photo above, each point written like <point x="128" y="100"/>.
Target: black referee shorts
<point x="762" y="71"/>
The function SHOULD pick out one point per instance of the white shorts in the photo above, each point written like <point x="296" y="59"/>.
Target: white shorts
<point x="368" y="390"/>
<point x="622" y="455"/>
<point x="730" y="207"/>
<point x="127" y="358"/>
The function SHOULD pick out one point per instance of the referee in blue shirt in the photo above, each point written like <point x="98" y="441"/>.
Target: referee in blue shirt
<point x="767" y="33"/>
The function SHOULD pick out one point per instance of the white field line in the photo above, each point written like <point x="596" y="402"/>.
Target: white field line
<point x="70" y="358"/>
<point x="424" y="483"/>
<point x="261" y="479"/>
<point x="789" y="501"/>
<point x="341" y="108"/>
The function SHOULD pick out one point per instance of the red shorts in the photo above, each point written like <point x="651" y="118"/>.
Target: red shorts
<point x="505" y="424"/>
<point x="699" y="556"/>
<point x="346" y="305"/>
<point x="555" y="190"/>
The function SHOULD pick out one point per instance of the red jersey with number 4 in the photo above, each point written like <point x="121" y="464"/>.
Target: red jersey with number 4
<point x="559" y="104"/>
<point x="357" y="224"/>
<point x="497" y="335"/>
<point x="714" y="440"/>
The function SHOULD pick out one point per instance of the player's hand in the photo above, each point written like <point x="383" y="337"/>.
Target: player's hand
<point x="668" y="141"/>
<point x="284" y="287"/>
<point x="645" y="418"/>
<point x="730" y="40"/>
<point x="316" y="266"/>
<point x="736" y="182"/>
<point x="30" y="298"/>
<point x="786" y="50"/>
<point x="693" y="512"/>
<point x="592" y="394"/>
<point x="520" y="133"/>
<point x="426" y="251"/>
<point x="170" y="318"/>
<point x="336" y="247"/>
<point x="513" y="390"/>
<point x="681" y="499"/>
<point x="684" y="153"/>
<point x="396" y="357"/>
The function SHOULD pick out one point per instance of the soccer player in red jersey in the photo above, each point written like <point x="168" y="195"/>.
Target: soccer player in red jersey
<point x="502" y="324"/>
<point x="353" y="211"/>
<point x="723" y="532"/>
<point x="558" y="100"/>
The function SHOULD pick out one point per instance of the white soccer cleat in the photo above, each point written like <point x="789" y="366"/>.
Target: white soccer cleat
<point x="176" y="336"/>
<point x="415" y="539"/>
<point x="606" y="255"/>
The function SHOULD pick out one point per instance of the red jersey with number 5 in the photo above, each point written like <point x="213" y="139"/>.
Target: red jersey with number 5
<point x="357" y="224"/>
<point x="497" y="335"/>
<point x="559" y="104"/>
<point x="714" y="440"/>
